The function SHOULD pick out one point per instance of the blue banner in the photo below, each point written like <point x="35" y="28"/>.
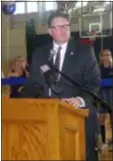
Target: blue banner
<point x="108" y="82"/>
<point x="13" y="81"/>
<point x="20" y="81"/>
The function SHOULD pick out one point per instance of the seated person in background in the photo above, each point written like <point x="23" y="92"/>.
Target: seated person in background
<point x="106" y="68"/>
<point x="17" y="71"/>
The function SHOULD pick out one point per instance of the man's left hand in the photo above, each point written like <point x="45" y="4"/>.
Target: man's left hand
<point x="73" y="101"/>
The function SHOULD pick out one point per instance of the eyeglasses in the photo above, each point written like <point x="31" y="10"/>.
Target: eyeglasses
<point x="106" y="55"/>
<point x="66" y="26"/>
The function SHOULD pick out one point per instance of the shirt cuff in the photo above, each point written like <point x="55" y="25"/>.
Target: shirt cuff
<point x="82" y="102"/>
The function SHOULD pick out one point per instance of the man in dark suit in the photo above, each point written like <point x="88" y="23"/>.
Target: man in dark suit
<point x="78" y="62"/>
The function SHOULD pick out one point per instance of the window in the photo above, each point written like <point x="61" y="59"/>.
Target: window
<point x="81" y="4"/>
<point x="50" y="6"/>
<point x="32" y="7"/>
<point x="20" y="8"/>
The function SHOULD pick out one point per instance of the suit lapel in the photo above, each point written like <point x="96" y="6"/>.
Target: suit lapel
<point x="70" y="52"/>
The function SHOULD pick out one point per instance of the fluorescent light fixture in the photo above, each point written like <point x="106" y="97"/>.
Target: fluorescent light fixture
<point x="99" y="10"/>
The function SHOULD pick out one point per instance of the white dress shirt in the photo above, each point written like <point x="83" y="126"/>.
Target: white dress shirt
<point x="63" y="52"/>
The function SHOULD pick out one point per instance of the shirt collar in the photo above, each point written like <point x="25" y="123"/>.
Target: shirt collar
<point x="63" y="46"/>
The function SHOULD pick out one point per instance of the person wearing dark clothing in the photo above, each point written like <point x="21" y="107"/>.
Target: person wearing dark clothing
<point x="106" y="69"/>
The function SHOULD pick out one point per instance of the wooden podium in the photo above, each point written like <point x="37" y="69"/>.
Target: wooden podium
<point x="42" y="129"/>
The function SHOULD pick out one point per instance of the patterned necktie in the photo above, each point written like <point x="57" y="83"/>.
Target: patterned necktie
<point x="57" y="62"/>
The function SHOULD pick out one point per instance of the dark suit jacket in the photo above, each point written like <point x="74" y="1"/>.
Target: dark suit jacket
<point x="79" y="64"/>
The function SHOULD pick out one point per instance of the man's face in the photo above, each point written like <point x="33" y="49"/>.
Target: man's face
<point x="60" y="30"/>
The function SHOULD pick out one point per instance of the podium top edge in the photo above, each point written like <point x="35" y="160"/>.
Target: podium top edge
<point x="58" y="102"/>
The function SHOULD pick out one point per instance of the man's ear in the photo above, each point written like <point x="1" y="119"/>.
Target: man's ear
<point x="49" y="31"/>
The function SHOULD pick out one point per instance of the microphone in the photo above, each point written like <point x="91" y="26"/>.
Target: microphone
<point x="48" y="74"/>
<point x="46" y="69"/>
<point x="52" y="53"/>
<point x="56" y="86"/>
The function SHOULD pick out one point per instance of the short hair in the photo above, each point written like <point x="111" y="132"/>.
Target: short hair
<point x="55" y="15"/>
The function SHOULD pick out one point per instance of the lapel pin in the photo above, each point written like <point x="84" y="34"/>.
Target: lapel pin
<point x="72" y="53"/>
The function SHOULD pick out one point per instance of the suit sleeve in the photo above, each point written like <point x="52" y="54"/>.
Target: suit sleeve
<point x="33" y="86"/>
<point x="91" y="76"/>
<point x="35" y="68"/>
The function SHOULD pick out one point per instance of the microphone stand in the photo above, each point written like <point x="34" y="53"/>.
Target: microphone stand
<point x="104" y="104"/>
